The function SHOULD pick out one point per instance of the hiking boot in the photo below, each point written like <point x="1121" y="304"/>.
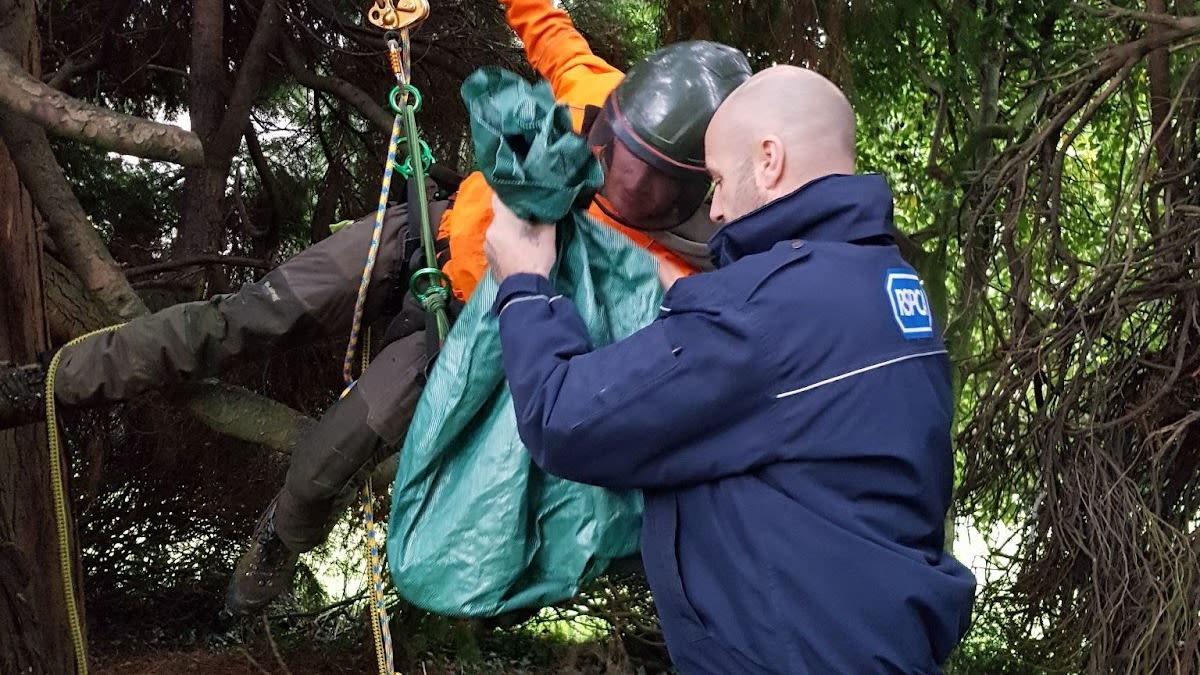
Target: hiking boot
<point x="264" y="571"/>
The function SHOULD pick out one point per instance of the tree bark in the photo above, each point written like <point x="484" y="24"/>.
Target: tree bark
<point x="244" y="415"/>
<point x="70" y="227"/>
<point x="1158" y="67"/>
<point x="204" y="185"/>
<point x="72" y="118"/>
<point x="327" y="201"/>
<point x="70" y="311"/>
<point x="33" y="612"/>
<point x="249" y="83"/>
<point x="220" y="128"/>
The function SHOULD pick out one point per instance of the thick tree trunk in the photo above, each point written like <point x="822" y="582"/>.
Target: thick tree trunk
<point x="33" y="613"/>
<point x="220" y="128"/>
<point x="204" y="185"/>
<point x="203" y="222"/>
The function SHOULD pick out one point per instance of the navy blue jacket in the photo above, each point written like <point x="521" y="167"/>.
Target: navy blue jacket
<point x="787" y="418"/>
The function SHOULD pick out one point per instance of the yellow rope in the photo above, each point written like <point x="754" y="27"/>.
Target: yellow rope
<point x="58" y="488"/>
<point x="398" y="57"/>
<point x="379" y="617"/>
<point x="378" y="610"/>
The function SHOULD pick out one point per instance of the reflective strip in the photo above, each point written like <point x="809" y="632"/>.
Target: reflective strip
<point x="527" y="298"/>
<point x="860" y="371"/>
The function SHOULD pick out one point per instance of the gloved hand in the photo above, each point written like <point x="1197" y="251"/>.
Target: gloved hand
<point x="412" y="319"/>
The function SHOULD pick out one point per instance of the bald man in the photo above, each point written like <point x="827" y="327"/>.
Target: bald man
<point x="787" y="417"/>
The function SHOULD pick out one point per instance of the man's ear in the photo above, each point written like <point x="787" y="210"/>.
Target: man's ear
<point x="770" y="164"/>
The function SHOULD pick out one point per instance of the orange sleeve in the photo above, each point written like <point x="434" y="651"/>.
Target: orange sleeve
<point x="465" y="225"/>
<point x="578" y="78"/>
<point x="560" y="54"/>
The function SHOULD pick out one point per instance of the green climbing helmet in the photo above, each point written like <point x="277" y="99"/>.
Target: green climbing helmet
<point x="649" y="135"/>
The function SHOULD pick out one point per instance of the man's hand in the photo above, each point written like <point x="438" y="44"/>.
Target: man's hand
<point x="514" y="246"/>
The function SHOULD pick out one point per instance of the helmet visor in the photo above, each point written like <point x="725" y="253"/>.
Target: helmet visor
<point x="643" y="188"/>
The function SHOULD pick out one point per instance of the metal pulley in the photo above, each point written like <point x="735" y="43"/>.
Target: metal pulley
<point x="398" y="14"/>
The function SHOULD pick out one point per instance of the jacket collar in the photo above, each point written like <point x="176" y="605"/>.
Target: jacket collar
<point x="832" y="208"/>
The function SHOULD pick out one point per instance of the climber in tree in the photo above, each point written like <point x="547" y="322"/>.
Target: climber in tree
<point x="647" y="129"/>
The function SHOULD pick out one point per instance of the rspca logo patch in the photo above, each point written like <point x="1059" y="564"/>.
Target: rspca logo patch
<point x="910" y="305"/>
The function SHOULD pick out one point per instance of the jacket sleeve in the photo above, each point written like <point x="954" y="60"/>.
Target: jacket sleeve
<point x="628" y="415"/>
<point x="559" y="53"/>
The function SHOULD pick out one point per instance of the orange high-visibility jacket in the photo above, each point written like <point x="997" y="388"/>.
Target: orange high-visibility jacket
<point x="578" y="78"/>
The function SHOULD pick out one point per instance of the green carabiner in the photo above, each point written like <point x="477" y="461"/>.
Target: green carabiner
<point x="437" y="283"/>
<point x="406" y="169"/>
<point x="398" y="107"/>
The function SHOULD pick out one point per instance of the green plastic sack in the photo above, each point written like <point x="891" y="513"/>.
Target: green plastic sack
<point x="476" y="528"/>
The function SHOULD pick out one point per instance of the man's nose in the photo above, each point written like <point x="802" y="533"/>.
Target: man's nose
<point x="715" y="212"/>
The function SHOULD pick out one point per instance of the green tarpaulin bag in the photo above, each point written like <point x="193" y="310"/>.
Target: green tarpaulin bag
<point x="476" y="528"/>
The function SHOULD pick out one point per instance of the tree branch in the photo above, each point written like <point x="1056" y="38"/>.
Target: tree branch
<point x="195" y="261"/>
<point x="1158" y="67"/>
<point x="116" y="12"/>
<point x="342" y="89"/>
<point x="103" y="128"/>
<point x="244" y="415"/>
<point x="1156" y="15"/>
<point x="239" y="207"/>
<point x="249" y="82"/>
<point x="167" y="69"/>
<point x="265" y="175"/>
<point x="224" y="408"/>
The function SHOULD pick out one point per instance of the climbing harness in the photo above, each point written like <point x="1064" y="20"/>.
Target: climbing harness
<point x="58" y="489"/>
<point x="429" y="284"/>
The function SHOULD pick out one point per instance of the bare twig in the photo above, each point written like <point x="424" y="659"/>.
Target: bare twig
<point x="195" y="261"/>
<point x="275" y="647"/>
<point x="253" y="661"/>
